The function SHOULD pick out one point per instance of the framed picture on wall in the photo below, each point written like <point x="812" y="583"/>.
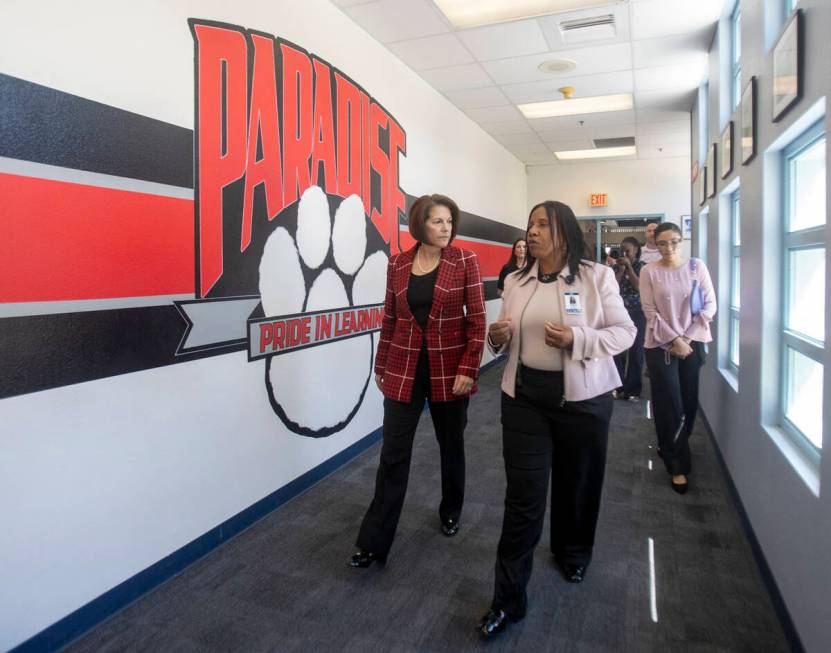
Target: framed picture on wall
<point x="787" y="67"/>
<point x="686" y="227"/>
<point x="727" y="150"/>
<point x="702" y="186"/>
<point x="711" y="171"/>
<point x="747" y="135"/>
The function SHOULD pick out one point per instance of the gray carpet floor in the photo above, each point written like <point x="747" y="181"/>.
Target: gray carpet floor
<point x="284" y="585"/>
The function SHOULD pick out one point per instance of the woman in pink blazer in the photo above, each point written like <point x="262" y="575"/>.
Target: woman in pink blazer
<point x="561" y="323"/>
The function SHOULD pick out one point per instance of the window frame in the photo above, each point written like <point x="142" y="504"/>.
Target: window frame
<point x="734" y="307"/>
<point x="735" y="56"/>
<point x="792" y="241"/>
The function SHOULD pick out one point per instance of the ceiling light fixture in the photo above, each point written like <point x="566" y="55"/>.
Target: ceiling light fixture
<point x="606" y="152"/>
<point x="475" y="13"/>
<point x="557" y="66"/>
<point x="577" y="106"/>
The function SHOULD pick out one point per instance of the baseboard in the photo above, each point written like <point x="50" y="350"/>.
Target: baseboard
<point x="105" y="606"/>
<point x="791" y="634"/>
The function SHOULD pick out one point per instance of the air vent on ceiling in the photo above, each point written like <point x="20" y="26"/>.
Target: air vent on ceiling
<point x="593" y="28"/>
<point x="624" y="141"/>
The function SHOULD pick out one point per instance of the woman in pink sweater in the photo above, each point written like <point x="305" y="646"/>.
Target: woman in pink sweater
<point x="679" y="302"/>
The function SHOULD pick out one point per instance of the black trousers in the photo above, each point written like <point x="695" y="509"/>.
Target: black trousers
<point x="674" y="403"/>
<point x="630" y="363"/>
<point x="543" y="438"/>
<point x="400" y="422"/>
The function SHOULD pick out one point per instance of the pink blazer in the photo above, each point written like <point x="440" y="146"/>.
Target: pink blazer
<point x="602" y="329"/>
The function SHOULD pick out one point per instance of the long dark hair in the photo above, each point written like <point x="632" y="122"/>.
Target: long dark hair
<point x="512" y="257"/>
<point x="570" y="234"/>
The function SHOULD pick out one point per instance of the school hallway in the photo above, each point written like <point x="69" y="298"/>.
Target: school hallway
<point x="284" y="584"/>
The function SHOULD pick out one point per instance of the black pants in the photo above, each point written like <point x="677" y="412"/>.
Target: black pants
<point x="674" y="403"/>
<point x="630" y="363"/>
<point x="541" y="438"/>
<point x="400" y="422"/>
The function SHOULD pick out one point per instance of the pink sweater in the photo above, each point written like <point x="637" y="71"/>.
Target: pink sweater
<point x="665" y="298"/>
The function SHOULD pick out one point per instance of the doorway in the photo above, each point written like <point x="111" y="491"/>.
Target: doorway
<point x="603" y="234"/>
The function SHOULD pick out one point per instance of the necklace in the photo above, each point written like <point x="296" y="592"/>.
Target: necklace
<point x="430" y="268"/>
<point x="549" y="276"/>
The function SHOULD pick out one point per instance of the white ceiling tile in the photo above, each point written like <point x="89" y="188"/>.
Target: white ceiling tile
<point x="537" y="148"/>
<point x="494" y="114"/>
<point x="661" y="115"/>
<point x="510" y="127"/>
<point x="666" y="127"/>
<point x="675" y="100"/>
<point x="668" y="50"/>
<point x="664" y="139"/>
<point x="474" y="98"/>
<point x="653" y="18"/>
<point x="350" y="3"/>
<point x="566" y="144"/>
<point x="396" y="20"/>
<point x="517" y="139"/>
<point x="505" y="40"/>
<point x="587" y="86"/>
<point x="598" y="59"/>
<point x="431" y="52"/>
<point x="651" y="152"/>
<point x="454" y="78"/>
<point x="679" y="76"/>
<point x="589" y="120"/>
<point x="551" y="24"/>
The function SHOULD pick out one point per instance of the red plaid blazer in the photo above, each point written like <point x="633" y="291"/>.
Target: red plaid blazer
<point x="455" y="326"/>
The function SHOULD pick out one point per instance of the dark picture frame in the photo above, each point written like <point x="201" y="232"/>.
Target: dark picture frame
<point x="727" y="150"/>
<point x="787" y="74"/>
<point x="747" y="133"/>
<point x="711" y="171"/>
<point x="702" y="186"/>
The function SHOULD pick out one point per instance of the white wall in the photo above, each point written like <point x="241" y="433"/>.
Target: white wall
<point x="101" y="479"/>
<point x="635" y="186"/>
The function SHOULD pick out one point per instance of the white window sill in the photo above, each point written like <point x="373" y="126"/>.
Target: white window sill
<point x="731" y="378"/>
<point x="806" y="468"/>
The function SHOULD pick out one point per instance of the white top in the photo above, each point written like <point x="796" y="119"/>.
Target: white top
<point x="649" y="255"/>
<point x="544" y="306"/>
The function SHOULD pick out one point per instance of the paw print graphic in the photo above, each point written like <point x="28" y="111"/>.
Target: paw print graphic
<point x="327" y="264"/>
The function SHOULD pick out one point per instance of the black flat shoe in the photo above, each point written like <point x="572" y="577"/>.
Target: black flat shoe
<point x="493" y="623"/>
<point x="680" y="488"/>
<point x="573" y="573"/>
<point x="363" y="559"/>
<point x="449" y="527"/>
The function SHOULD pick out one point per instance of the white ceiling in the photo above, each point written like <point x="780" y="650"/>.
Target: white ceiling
<point x="658" y="54"/>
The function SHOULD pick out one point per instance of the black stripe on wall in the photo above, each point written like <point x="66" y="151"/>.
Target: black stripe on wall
<point x="44" y="125"/>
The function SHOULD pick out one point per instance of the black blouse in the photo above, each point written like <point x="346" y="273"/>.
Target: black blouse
<point x="420" y="295"/>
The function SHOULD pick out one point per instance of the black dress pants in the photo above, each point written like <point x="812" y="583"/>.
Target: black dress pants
<point x="400" y="422"/>
<point x="543" y="438"/>
<point x="630" y="363"/>
<point x="674" y="403"/>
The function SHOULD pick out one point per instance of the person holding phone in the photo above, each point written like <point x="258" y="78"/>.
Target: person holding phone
<point x="630" y="363"/>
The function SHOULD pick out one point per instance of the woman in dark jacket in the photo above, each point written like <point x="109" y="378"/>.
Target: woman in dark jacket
<point x="517" y="261"/>
<point x="630" y="363"/>
<point x="431" y="343"/>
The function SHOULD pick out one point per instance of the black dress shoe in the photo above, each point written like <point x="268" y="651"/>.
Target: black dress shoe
<point x="573" y="573"/>
<point x="363" y="559"/>
<point x="493" y="623"/>
<point x="680" y="488"/>
<point x="449" y="527"/>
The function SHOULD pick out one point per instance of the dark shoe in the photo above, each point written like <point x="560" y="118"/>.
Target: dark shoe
<point x="680" y="488"/>
<point x="363" y="559"/>
<point x="449" y="527"/>
<point x="573" y="573"/>
<point x="660" y="453"/>
<point x="633" y="399"/>
<point x="493" y="623"/>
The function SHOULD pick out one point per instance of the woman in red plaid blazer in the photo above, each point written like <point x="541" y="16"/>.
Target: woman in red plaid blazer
<point x="432" y="338"/>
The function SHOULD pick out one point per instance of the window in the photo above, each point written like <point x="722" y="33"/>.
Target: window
<point x="736" y="55"/>
<point x="803" y="302"/>
<point x="735" y="282"/>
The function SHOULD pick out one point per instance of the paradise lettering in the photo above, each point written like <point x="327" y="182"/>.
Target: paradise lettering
<point x="271" y="112"/>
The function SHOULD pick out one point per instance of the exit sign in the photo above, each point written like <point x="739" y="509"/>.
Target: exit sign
<point x="599" y="199"/>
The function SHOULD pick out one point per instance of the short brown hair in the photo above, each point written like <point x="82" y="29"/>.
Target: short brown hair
<point x="420" y="212"/>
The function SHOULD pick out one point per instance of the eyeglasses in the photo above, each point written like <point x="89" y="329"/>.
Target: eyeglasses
<point x="664" y="244"/>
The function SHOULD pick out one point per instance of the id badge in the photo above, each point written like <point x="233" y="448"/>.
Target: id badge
<point x="573" y="304"/>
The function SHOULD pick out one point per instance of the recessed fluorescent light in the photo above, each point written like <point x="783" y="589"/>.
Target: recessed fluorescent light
<point x="577" y="106"/>
<point x="601" y="153"/>
<point x="473" y="13"/>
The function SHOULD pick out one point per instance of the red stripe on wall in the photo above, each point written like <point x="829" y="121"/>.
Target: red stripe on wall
<point x="492" y="256"/>
<point x="64" y="241"/>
